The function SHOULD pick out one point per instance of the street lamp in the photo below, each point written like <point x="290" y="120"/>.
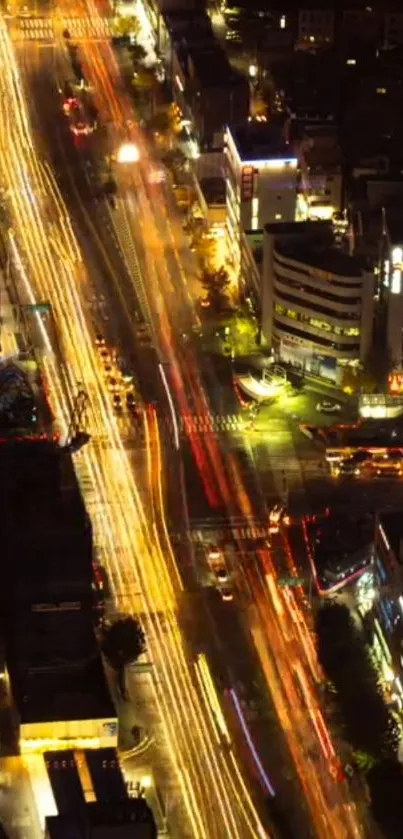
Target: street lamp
<point x="128" y="153"/>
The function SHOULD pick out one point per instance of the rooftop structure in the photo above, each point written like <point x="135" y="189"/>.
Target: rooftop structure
<point x="132" y="819"/>
<point x="65" y="782"/>
<point x="370" y="435"/>
<point x="65" y="695"/>
<point x="340" y="548"/>
<point x="260" y="143"/>
<point x="106" y="775"/>
<point x="47" y="539"/>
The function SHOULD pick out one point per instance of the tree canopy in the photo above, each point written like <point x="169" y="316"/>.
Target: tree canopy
<point x="123" y="642"/>
<point x="125" y="25"/>
<point x="215" y="284"/>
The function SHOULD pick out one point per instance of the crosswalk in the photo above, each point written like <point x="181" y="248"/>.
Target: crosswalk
<point x="236" y="534"/>
<point x="45" y="29"/>
<point x="211" y="423"/>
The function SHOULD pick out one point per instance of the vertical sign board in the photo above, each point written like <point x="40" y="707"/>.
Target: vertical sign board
<point x="247" y="183"/>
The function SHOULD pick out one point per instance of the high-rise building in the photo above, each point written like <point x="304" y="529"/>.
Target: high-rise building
<point x="261" y="178"/>
<point x="317" y="301"/>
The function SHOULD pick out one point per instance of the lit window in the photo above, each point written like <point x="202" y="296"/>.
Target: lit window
<point x="351" y="61"/>
<point x="278" y="217"/>
<point x="381" y="90"/>
<point x="283" y="22"/>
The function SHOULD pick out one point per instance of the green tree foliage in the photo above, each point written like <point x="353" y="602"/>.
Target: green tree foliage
<point x="215" y="284"/>
<point x="377" y="366"/>
<point x="369" y="725"/>
<point x="144" y="79"/>
<point x="123" y="642"/>
<point x="126" y="25"/>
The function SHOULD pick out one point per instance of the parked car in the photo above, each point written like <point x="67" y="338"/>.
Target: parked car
<point x="327" y="407"/>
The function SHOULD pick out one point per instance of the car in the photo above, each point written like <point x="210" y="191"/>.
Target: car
<point x="327" y="407"/>
<point x="113" y="385"/>
<point x="221" y="574"/>
<point x="361" y="456"/>
<point x="278" y="516"/>
<point x="395" y="455"/>
<point x="214" y="555"/>
<point x="105" y="355"/>
<point x="99" y="340"/>
<point x="226" y="594"/>
<point x="130" y="399"/>
<point x="117" y="401"/>
<point x="349" y="466"/>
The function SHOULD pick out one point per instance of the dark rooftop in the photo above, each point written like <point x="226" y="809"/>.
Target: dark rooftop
<point x="311" y="244"/>
<point x="260" y="141"/>
<point x="331" y="260"/>
<point x="189" y="28"/>
<point x="38" y="487"/>
<point x="342" y="545"/>
<point x="47" y="537"/>
<point x="52" y="637"/>
<point x="77" y="692"/>
<point x="211" y="65"/>
<point x="106" y="775"/>
<point x="132" y="819"/>
<point x="367" y="434"/>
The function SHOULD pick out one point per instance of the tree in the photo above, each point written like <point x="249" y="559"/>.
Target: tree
<point x="160" y="122"/>
<point x="138" y="54"/>
<point x="144" y="79"/>
<point x="215" y="284"/>
<point x="126" y="25"/>
<point x="122" y="643"/>
<point x="346" y="663"/>
<point x="377" y="366"/>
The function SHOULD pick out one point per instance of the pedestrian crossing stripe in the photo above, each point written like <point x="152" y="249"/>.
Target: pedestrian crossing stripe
<point x="209" y="423"/>
<point x="41" y="28"/>
<point x="240" y="534"/>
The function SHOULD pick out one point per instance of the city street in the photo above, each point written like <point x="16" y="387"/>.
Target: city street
<point x="99" y="267"/>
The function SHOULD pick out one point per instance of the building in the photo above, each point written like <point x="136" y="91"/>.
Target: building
<point x="317" y="302"/>
<point x="47" y="535"/>
<point x="261" y="178"/>
<point x="316" y="27"/>
<point x="64" y="703"/>
<point x="379" y="597"/>
<point x="131" y="819"/>
<point x="209" y="91"/>
<point x="320" y="160"/>
<point x="340" y="548"/>
<point x="52" y="657"/>
<point x="206" y="88"/>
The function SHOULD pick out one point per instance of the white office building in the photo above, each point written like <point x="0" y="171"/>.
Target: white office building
<point x="261" y="179"/>
<point x="317" y="301"/>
